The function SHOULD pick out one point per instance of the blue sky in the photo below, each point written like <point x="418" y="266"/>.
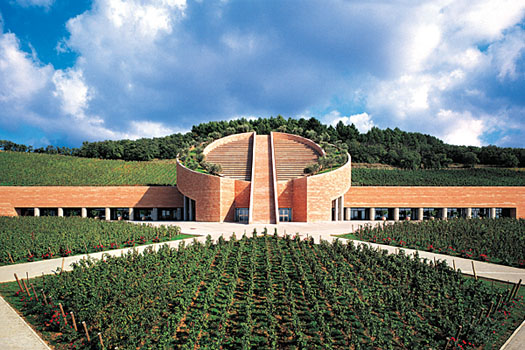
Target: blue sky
<point x="81" y="70"/>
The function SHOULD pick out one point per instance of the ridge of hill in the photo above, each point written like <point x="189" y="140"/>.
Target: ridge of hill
<point x="407" y="150"/>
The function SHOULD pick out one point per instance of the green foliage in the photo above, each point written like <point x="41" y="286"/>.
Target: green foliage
<point x="402" y="149"/>
<point x="269" y="292"/>
<point x="32" y="238"/>
<point x="438" y="177"/>
<point x="29" y="169"/>
<point x="495" y="240"/>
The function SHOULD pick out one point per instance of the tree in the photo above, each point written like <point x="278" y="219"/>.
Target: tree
<point x="470" y="159"/>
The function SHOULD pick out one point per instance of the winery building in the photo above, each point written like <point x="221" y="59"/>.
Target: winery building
<point x="263" y="181"/>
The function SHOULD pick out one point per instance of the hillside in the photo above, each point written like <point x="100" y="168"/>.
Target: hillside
<point x="33" y="169"/>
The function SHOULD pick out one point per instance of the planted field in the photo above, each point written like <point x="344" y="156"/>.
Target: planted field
<point x="31" y="169"/>
<point x="500" y="241"/>
<point x="271" y="293"/>
<point x="438" y="177"/>
<point x="35" y="238"/>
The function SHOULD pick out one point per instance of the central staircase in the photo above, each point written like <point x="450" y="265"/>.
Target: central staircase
<point x="263" y="209"/>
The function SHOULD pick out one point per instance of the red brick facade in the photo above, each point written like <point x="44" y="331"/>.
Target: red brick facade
<point x="437" y="197"/>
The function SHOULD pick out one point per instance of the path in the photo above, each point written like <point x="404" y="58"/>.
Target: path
<point x="263" y="191"/>
<point x="15" y="333"/>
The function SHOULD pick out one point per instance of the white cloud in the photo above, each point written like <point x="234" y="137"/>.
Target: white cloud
<point x="461" y="128"/>
<point x="139" y="129"/>
<point x="20" y="76"/>
<point x="42" y="3"/>
<point x="72" y="91"/>
<point x="362" y="121"/>
<point x="506" y="52"/>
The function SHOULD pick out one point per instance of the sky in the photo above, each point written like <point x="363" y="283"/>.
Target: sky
<point x="89" y="70"/>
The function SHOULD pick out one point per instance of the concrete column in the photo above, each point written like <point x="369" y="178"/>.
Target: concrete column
<point x="108" y="214"/>
<point x="37" y="211"/>
<point x="341" y="208"/>
<point x="185" y="209"/>
<point x="155" y="214"/>
<point x="469" y="213"/>
<point x="420" y="214"/>
<point x="60" y="211"/>
<point x="444" y="213"/>
<point x="131" y="214"/>
<point x="347" y="214"/>
<point x="83" y="212"/>
<point x="372" y="214"/>
<point x="492" y="213"/>
<point x="396" y="214"/>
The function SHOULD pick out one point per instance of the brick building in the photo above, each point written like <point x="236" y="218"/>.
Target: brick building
<point x="263" y="182"/>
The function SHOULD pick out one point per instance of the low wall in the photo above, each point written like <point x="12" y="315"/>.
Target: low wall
<point x="313" y="195"/>
<point x="214" y="196"/>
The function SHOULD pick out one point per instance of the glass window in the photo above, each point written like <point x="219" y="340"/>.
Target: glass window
<point x="48" y="211"/>
<point x="405" y="213"/>
<point x="96" y="213"/>
<point x="142" y="214"/>
<point x="119" y="213"/>
<point x="359" y="213"/>
<point x="480" y="213"/>
<point x="386" y="213"/>
<point x="431" y="213"/>
<point x="241" y="215"/>
<point x="285" y="214"/>
<point x="72" y="212"/>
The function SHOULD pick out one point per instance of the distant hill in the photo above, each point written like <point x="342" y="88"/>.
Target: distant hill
<point x="407" y="150"/>
<point x="31" y="169"/>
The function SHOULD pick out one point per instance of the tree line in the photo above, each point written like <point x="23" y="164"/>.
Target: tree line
<point x="408" y="150"/>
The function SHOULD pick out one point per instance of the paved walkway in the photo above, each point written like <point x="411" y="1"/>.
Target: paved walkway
<point x="15" y="333"/>
<point x="319" y="231"/>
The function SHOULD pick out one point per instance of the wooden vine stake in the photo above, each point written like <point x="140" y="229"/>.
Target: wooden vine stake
<point x="27" y="289"/>
<point x="44" y="295"/>
<point x="454" y="264"/>
<point x="490" y="309"/>
<point x="62" y="268"/>
<point x="27" y="277"/>
<point x="19" y="284"/>
<point x="517" y="289"/>
<point x="474" y="270"/>
<point x="63" y="313"/>
<point x="100" y="339"/>
<point x="448" y="343"/>
<point x="73" y="320"/>
<point x="10" y="258"/>
<point x="459" y="332"/>
<point x="34" y="292"/>
<point x="85" y="329"/>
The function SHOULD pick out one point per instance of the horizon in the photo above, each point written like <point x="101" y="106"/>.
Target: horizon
<point x="95" y="70"/>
